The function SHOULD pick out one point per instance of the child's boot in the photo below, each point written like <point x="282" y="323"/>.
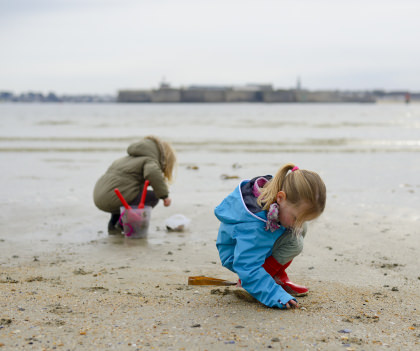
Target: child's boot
<point x="290" y="287"/>
<point x="278" y="272"/>
<point x="114" y="227"/>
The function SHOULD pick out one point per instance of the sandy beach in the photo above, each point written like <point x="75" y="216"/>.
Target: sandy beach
<point x="65" y="284"/>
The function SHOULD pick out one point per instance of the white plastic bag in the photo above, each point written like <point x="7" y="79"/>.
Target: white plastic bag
<point x="177" y="223"/>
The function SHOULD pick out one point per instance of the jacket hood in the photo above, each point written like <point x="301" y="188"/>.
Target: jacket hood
<point x="233" y="210"/>
<point x="148" y="147"/>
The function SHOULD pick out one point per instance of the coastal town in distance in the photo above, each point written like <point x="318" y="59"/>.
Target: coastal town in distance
<point x="249" y="93"/>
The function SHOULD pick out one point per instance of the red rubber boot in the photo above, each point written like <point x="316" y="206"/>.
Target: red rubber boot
<point x="278" y="272"/>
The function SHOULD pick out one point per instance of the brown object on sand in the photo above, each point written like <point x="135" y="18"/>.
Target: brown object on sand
<point x="201" y="280"/>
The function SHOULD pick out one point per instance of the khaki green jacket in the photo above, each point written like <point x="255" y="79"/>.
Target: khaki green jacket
<point x="145" y="160"/>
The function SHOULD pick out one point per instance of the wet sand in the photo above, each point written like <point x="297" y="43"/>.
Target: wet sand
<point x="66" y="285"/>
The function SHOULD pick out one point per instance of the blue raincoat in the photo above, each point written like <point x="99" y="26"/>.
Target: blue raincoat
<point x="244" y="245"/>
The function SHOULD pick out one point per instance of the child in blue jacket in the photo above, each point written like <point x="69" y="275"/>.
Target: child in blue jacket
<point x="262" y="229"/>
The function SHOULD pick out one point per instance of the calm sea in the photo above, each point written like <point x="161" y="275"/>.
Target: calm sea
<point x="368" y="155"/>
<point x="252" y="128"/>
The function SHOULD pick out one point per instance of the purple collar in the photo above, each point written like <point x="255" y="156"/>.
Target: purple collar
<point x="273" y="213"/>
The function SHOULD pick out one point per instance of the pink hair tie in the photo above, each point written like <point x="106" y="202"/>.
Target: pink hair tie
<point x="295" y="168"/>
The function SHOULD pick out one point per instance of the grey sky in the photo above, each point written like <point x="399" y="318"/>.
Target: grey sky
<point x="100" y="46"/>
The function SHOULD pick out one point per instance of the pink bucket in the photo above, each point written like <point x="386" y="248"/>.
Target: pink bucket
<point x="135" y="221"/>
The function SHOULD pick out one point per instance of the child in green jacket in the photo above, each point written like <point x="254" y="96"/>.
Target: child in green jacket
<point x="148" y="159"/>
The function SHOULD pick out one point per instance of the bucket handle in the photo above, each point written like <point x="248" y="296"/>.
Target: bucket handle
<point x="131" y="230"/>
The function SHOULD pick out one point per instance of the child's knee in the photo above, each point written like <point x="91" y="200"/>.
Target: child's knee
<point x="288" y="246"/>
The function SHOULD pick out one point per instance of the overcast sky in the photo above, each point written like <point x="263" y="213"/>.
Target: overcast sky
<point x="101" y="46"/>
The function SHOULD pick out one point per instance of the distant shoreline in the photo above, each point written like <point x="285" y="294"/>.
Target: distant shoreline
<point x="220" y="94"/>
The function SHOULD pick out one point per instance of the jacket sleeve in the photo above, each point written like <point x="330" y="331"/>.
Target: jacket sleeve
<point x="153" y="173"/>
<point x="249" y="257"/>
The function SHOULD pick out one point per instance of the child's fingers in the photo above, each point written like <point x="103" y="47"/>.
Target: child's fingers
<point x="293" y="303"/>
<point x="290" y="304"/>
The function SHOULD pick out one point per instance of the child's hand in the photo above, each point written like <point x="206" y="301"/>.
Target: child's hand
<point x="292" y="304"/>
<point x="167" y="202"/>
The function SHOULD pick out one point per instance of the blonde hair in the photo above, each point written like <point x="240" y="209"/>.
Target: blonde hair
<point x="300" y="186"/>
<point x="170" y="161"/>
<point x="167" y="158"/>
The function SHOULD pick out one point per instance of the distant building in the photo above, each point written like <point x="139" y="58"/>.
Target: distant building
<point x="134" y="96"/>
<point x="166" y="94"/>
<point x="6" y="96"/>
<point x="51" y="97"/>
<point x="279" y="96"/>
<point x="204" y="94"/>
<point x="246" y="93"/>
<point x="257" y="87"/>
<point x="239" y="95"/>
<point x="333" y="96"/>
<point x="396" y="96"/>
